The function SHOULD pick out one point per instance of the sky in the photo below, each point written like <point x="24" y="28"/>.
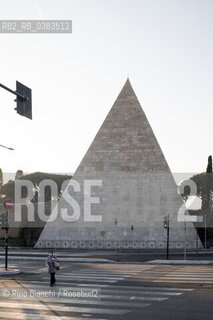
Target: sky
<point x="165" y="47"/>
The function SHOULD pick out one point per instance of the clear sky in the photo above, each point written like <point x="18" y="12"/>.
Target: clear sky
<point x="166" y="48"/>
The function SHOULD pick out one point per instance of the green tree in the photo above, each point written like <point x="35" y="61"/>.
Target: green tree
<point x="1" y="178"/>
<point x="30" y="231"/>
<point x="209" y="166"/>
<point x="19" y="174"/>
<point x="204" y="184"/>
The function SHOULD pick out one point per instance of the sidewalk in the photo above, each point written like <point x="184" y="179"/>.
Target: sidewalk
<point x="180" y="262"/>
<point x="12" y="270"/>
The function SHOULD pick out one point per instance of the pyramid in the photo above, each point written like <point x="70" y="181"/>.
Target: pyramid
<point x="133" y="183"/>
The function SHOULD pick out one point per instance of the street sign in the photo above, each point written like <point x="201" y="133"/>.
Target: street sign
<point x="8" y="204"/>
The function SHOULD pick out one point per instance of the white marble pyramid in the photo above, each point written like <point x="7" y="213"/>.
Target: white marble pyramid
<point x="137" y="190"/>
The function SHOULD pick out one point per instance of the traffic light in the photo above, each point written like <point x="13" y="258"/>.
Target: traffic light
<point x="24" y="105"/>
<point x="2" y="221"/>
<point x="23" y="99"/>
<point x="166" y="222"/>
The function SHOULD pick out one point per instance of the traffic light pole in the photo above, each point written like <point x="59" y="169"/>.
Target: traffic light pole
<point x="14" y="92"/>
<point x="6" y="247"/>
<point x="167" y="250"/>
<point x="6" y="240"/>
<point x="6" y="147"/>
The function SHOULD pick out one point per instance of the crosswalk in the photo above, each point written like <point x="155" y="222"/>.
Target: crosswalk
<point x="190" y="274"/>
<point x="116" y="295"/>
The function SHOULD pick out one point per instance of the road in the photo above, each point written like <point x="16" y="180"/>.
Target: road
<point x="117" y="291"/>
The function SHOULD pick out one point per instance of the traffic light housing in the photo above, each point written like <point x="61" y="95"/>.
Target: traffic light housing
<point x="2" y="221"/>
<point x="24" y="106"/>
<point x="166" y="222"/>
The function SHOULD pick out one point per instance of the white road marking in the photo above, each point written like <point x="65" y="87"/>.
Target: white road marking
<point x="89" y="280"/>
<point x="183" y="281"/>
<point x="88" y="277"/>
<point x="95" y="274"/>
<point x="63" y="308"/>
<point x="160" y="293"/>
<point x="49" y="307"/>
<point x="36" y="316"/>
<point x="71" y="285"/>
<point x="148" y="298"/>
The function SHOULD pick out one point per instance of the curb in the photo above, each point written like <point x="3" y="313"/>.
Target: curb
<point x="86" y="260"/>
<point x="180" y="262"/>
<point x="9" y="273"/>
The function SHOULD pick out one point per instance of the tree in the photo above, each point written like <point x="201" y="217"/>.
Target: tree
<point x="30" y="231"/>
<point x="19" y="174"/>
<point x="1" y="178"/>
<point x="204" y="184"/>
<point x="209" y="166"/>
<point x="8" y="189"/>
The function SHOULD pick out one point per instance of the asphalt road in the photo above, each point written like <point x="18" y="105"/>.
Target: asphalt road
<point x="108" y="291"/>
<point x="136" y="255"/>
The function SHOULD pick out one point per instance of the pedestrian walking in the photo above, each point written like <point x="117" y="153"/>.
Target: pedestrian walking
<point x="52" y="266"/>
